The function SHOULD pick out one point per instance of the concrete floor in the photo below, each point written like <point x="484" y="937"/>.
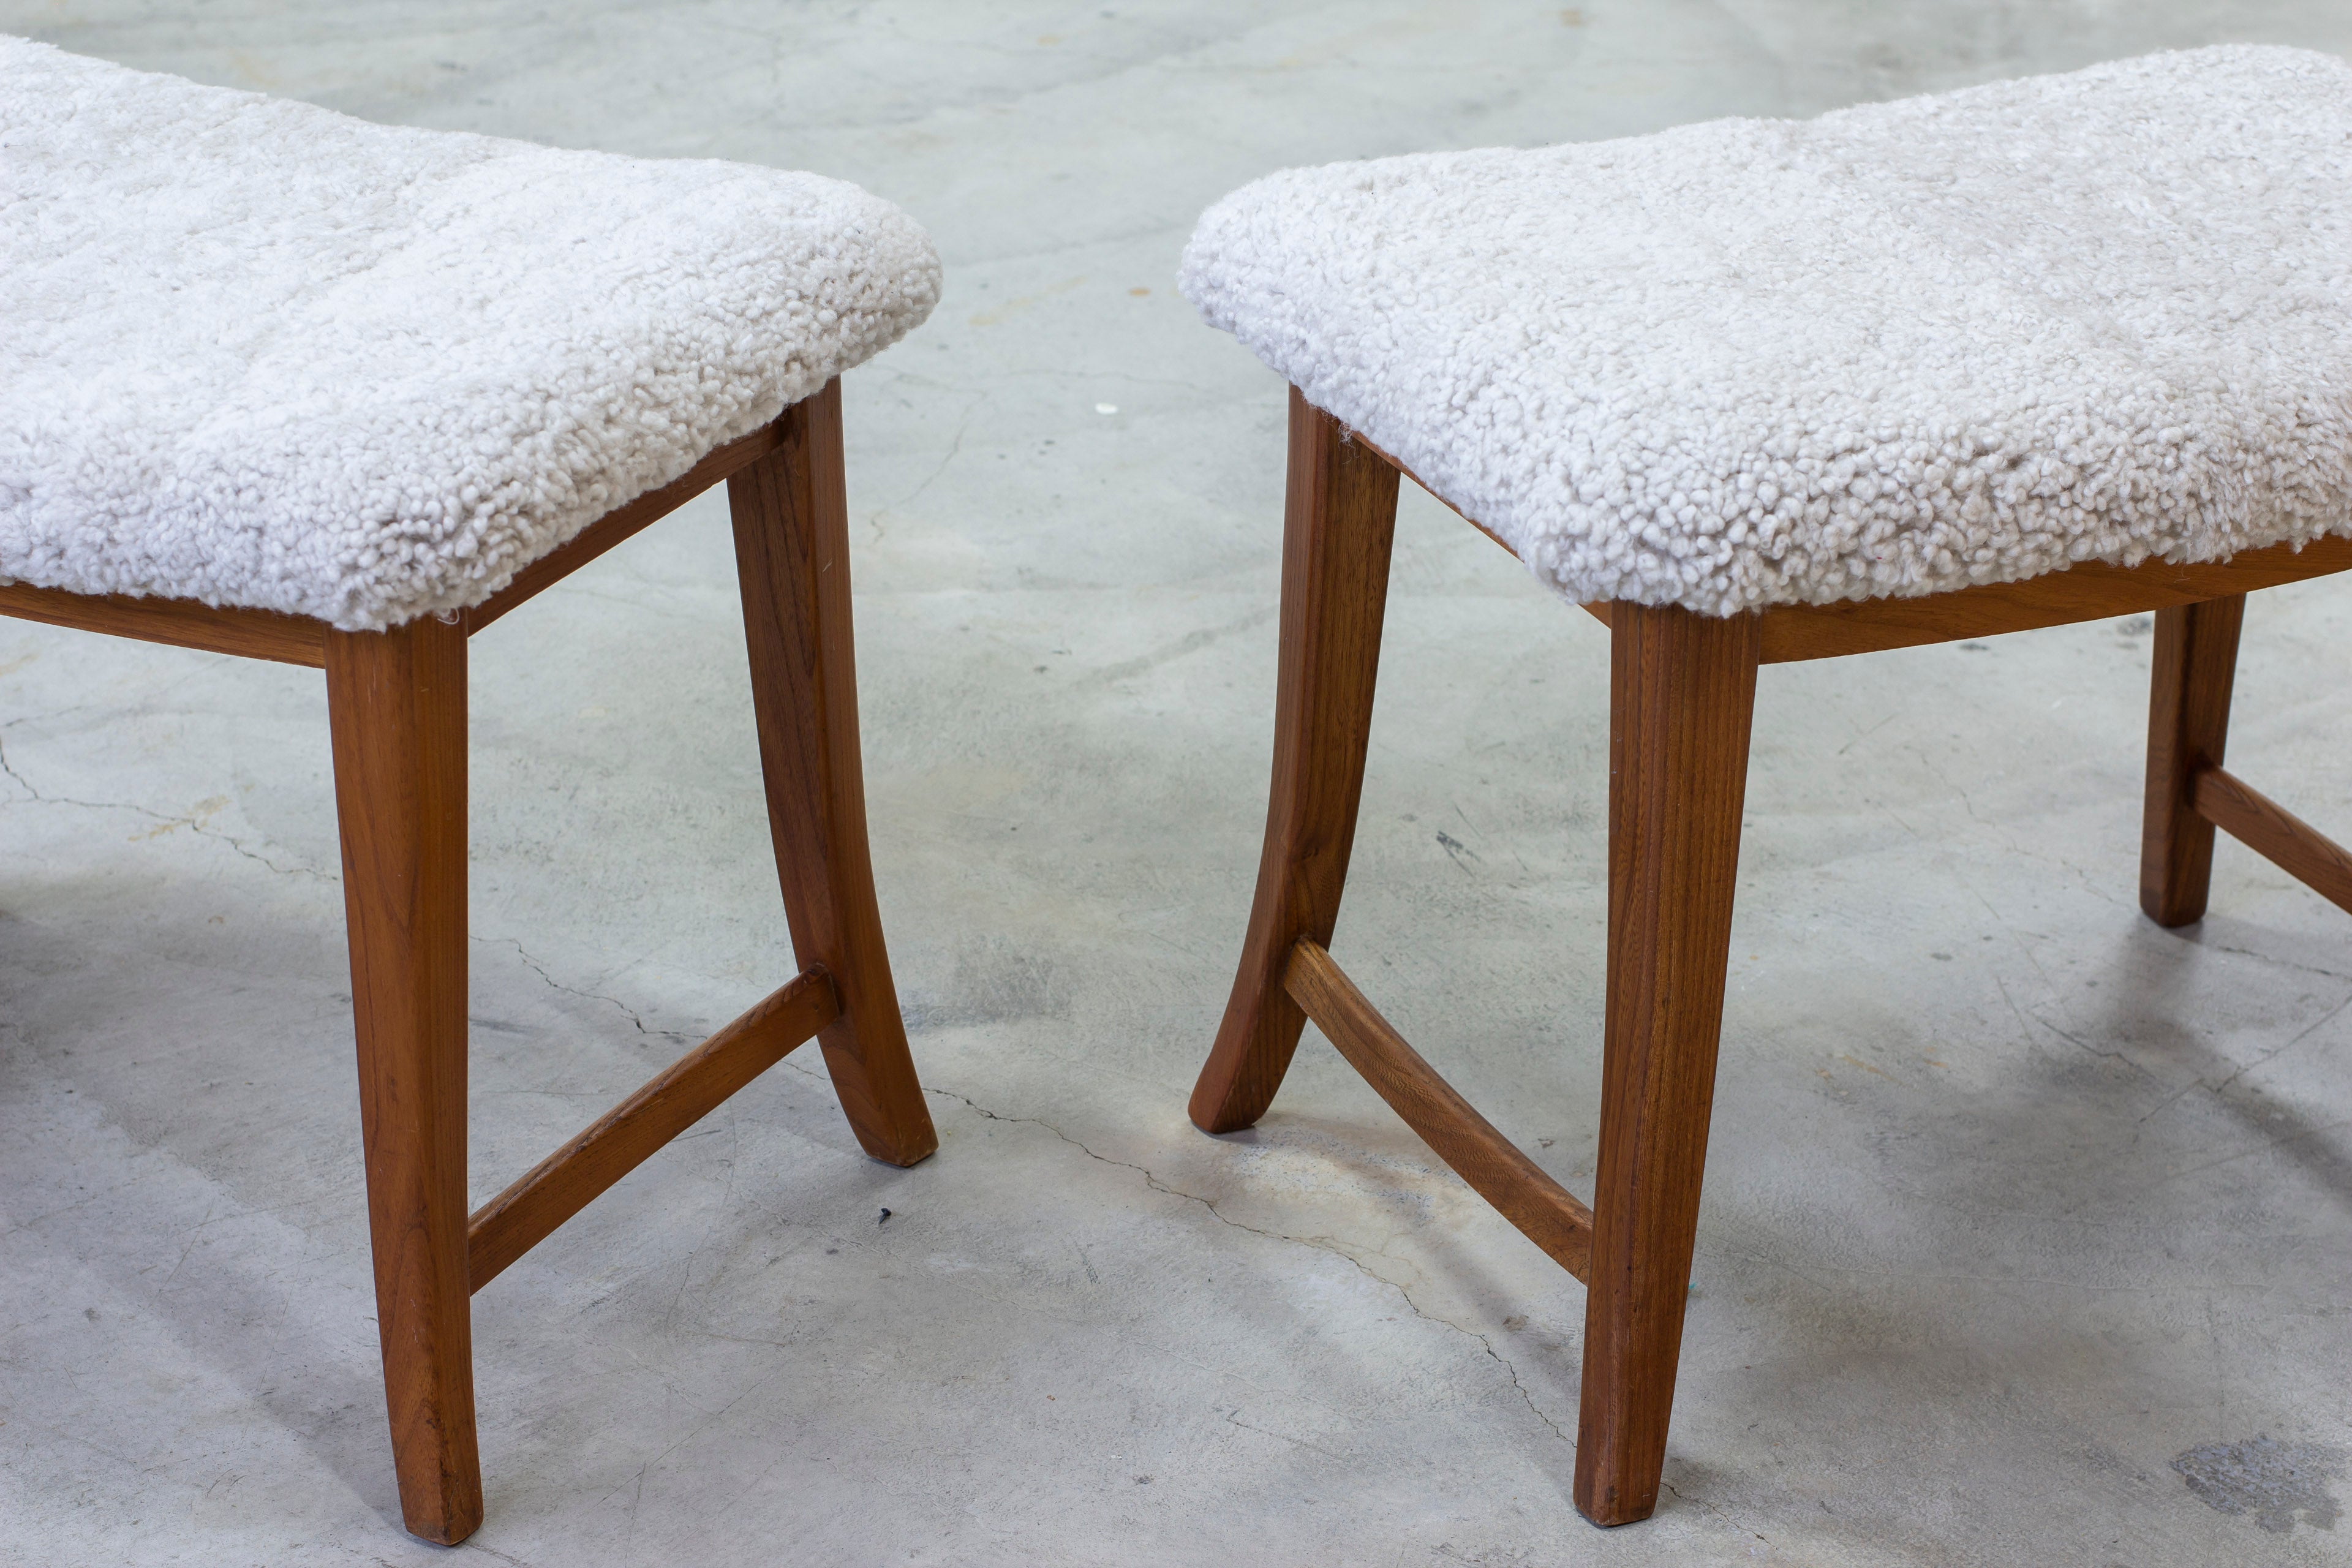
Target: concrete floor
<point x="2029" y="1227"/>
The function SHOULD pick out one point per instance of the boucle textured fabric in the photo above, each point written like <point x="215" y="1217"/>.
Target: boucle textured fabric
<point x="1893" y="351"/>
<point x="258" y="353"/>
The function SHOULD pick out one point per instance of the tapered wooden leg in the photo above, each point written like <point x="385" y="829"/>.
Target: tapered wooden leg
<point x="2187" y="724"/>
<point x="396" y="702"/>
<point x="1681" y="693"/>
<point x="1337" y="524"/>
<point x="791" y="555"/>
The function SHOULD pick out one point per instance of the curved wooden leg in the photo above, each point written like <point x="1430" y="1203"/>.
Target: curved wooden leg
<point x="2188" y="724"/>
<point x="792" y="557"/>
<point x="396" y="704"/>
<point x="1338" y="520"/>
<point x="1682" y="694"/>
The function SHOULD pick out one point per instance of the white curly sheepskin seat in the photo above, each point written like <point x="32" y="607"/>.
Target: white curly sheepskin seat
<point x="257" y="353"/>
<point x="1894" y="351"/>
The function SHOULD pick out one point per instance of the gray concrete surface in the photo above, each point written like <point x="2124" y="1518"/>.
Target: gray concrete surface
<point x="2014" y="1201"/>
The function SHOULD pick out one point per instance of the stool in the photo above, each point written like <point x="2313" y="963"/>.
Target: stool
<point x="1753" y="391"/>
<point x="283" y="385"/>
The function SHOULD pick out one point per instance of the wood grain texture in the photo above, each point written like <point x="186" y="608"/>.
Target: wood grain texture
<point x="1682" y="697"/>
<point x="181" y="623"/>
<point x="1521" y="1190"/>
<point x="2276" y="834"/>
<point x="624" y="522"/>
<point x="625" y="1137"/>
<point x="792" y="558"/>
<point x="1338" y="524"/>
<point x="2194" y="667"/>
<point x="397" y="708"/>
<point x="2090" y="592"/>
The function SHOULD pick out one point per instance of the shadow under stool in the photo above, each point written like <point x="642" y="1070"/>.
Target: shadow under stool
<point x="1694" y="578"/>
<point x="649" y="330"/>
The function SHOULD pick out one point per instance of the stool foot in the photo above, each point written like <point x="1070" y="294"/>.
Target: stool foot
<point x="1683" y="690"/>
<point x="1338" y="522"/>
<point x="396" y="704"/>
<point x="792" y="557"/>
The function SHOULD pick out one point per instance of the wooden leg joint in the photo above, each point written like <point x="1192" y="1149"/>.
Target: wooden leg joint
<point x="622" y="1138"/>
<point x="2274" y="833"/>
<point x="1546" y="1213"/>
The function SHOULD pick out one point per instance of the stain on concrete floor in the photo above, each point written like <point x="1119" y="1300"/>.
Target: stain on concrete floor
<point x="2272" y="1480"/>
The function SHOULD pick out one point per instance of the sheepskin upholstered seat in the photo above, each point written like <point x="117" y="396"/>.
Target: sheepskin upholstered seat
<point x="257" y="353"/>
<point x="1898" y="350"/>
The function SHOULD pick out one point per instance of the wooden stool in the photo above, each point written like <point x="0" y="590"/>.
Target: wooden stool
<point x="1404" y="349"/>
<point x="618" y="394"/>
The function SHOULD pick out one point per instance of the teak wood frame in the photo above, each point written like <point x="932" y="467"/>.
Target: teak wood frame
<point x="1682" y="694"/>
<point x="396" y="708"/>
